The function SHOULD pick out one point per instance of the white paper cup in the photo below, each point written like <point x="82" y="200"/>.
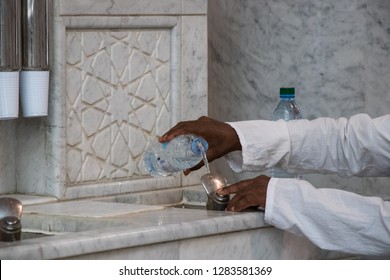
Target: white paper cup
<point x="34" y="93"/>
<point x="9" y="95"/>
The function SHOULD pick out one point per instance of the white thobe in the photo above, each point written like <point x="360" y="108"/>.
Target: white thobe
<point x="332" y="219"/>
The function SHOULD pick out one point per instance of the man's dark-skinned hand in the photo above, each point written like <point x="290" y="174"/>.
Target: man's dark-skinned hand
<point x="221" y="137"/>
<point x="248" y="193"/>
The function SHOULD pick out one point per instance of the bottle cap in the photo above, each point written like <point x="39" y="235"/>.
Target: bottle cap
<point x="196" y="145"/>
<point x="287" y="92"/>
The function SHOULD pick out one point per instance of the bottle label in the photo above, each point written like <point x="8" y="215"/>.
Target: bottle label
<point x="166" y="166"/>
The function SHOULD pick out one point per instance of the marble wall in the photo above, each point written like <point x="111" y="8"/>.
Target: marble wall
<point x="7" y="156"/>
<point x="122" y="73"/>
<point x="335" y="53"/>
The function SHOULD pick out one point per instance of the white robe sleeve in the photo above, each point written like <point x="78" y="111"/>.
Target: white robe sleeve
<point x="264" y="144"/>
<point x="359" y="146"/>
<point x="330" y="218"/>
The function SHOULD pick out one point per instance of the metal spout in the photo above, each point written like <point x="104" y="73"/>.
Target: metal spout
<point x="10" y="229"/>
<point x="10" y="215"/>
<point x="217" y="202"/>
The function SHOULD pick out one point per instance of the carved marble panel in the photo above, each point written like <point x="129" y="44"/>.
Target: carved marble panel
<point x="117" y="89"/>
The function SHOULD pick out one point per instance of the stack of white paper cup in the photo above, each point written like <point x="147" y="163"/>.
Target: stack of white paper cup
<point x="9" y="95"/>
<point x="34" y="93"/>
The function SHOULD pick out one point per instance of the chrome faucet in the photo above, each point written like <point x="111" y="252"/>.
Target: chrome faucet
<point x="10" y="216"/>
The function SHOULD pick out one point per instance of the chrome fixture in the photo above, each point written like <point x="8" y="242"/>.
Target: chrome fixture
<point x="212" y="182"/>
<point x="10" y="215"/>
<point x="218" y="202"/>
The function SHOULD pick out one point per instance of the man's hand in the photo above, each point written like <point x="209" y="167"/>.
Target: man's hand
<point x="221" y="137"/>
<point x="248" y="193"/>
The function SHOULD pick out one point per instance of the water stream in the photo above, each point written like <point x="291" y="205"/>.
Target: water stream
<point x="204" y="157"/>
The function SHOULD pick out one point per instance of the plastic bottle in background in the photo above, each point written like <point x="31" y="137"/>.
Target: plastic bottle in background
<point x="181" y="153"/>
<point x="287" y="110"/>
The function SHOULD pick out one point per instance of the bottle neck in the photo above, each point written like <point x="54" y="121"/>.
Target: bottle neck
<point x="287" y="98"/>
<point x="199" y="146"/>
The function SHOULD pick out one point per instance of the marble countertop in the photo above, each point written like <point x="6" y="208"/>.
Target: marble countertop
<point x="99" y="226"/>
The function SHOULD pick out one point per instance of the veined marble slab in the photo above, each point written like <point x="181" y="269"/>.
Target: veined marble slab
<point x="123" y="231"/>
<point x="26" y="199"/>
<point x="88" y="209"/>
<point x="169" y="233"/>
<point x="133" y="7"/>
<point x="130" y="227"/>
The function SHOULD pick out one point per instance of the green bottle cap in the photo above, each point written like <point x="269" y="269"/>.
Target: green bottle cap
<point x="287" y="92"/>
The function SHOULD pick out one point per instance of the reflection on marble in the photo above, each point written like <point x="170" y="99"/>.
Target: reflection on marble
<point x="189" y="195"/>
<point x="335" y="53"/>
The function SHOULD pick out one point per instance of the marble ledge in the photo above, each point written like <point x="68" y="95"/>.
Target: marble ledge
<point x="133" y="7"/>
<point x="26" y="199"/>
<point x="129" y="231"/>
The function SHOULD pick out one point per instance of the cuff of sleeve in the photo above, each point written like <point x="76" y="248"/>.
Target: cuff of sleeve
<point x="235" y="161"/>
<point x="264" y="144"/>
<point x="270" y="201"/>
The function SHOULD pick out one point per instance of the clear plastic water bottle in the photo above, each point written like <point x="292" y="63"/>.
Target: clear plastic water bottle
<point x="287" y="110"/>
<point x="181" y="153"/>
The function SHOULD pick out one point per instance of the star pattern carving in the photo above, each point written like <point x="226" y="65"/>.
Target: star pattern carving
<point x="115" y="98"/>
